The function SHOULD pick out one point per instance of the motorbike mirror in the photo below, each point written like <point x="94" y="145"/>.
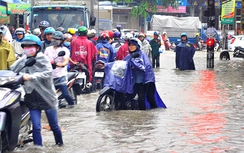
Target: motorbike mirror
<point x="30" y="62"/>
<point x="61" y="53"/>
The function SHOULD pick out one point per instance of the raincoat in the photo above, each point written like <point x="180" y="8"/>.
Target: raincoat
<point x="119" y="76"/>
<point x="41" y="81"/>
<point x="106" y="51"/>
<point x="84" y="51"/>
<point x="184" y="56"/>
<point x="123" y="51"/>
<point x="7" y="56"/>
<point x="17" y="46"/>
<point x="146" y="47"/>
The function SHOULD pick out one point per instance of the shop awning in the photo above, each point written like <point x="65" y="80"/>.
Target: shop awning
<point x="17" y="7"/>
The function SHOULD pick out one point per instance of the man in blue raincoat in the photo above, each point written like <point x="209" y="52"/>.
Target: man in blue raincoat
<point x="184" y="54"/>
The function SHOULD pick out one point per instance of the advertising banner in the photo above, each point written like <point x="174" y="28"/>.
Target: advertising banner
<point x="18" y="8"/>
<point x="228" y="12"/>
<point x="4" y="18"/>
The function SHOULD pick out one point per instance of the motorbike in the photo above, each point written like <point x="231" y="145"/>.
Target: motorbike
<point x="110" y="98"/>
<point x="98" y="75"/>
<point x="15" y="124"/>
<point x="81" y="85"/>
<point x="238" y="52"/>
<point x="72" y="76"/>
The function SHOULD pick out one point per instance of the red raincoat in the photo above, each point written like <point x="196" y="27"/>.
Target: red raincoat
<point x="123" y="51"/>
<point x="84" y="51"/>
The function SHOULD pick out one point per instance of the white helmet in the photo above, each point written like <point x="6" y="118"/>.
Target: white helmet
<point x="37" y="31"/>
<point x="128" y="36"/>
<point x="67" y="36"/>
<point x="164" y="32"/>
<point x="91" y="33"/>
<point x="20" y="31"/>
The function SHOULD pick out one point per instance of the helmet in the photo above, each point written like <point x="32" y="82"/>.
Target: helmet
<point x="44" y="24"/>
<point x="156" y="33"/>
<point x="58" y="35"/>
<point x="128" y="36"/>
<point x="135" y="41"/>
<point x="60" y="29"/>
<point x="197" y="34"/>
<point x="49" y="30"/>
<point x="104" y="35"/>
<point x="36" y="32"/>
<point x="82" y="31"/>
<point x="141" y="34"/>
<point x="31" y="40"/>
<point x="91" y="33"/>
<point x="117" y="34"/>
<point x="19" y="31"/>
<point x="111" y="34"/>
<point x="164" y="32"/>
<point x="183" y="34"/>
<point x="72" y="31"/>
<point x="67" y="36"/>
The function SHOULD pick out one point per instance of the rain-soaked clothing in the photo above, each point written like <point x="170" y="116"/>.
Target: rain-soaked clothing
<point x="106" y="51"/>
<point x="123" y="51"/>
<point x="41" y="81"/>
<point x="7" y="56"/>
<point x="45" y="44"/>
<point x="83" y="51"/>
<point x="184" y="56"/>
<point x="119" y="76"/>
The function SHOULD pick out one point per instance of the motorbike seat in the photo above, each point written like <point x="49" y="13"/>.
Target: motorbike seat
<point x="72" y="74"/>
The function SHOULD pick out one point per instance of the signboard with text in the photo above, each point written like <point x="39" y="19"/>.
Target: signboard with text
<point x="228" y="12"/>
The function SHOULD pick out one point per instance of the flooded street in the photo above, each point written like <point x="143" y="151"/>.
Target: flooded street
<point x="205" y="114"/>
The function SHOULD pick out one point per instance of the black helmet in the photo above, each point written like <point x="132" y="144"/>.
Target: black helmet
<point x="57" y="35"/>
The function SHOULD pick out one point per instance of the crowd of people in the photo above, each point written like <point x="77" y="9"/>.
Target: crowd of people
<point x="80" y="46"/>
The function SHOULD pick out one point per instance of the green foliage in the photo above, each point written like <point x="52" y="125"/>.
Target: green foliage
<point x="143" y="5"/>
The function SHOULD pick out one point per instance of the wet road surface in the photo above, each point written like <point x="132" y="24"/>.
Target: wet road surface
<point x="204" y="114"/>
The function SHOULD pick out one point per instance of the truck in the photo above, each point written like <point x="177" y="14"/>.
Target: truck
<point x="64" y="13"/>
<point x="174" y="26"/>
<point x="105" y="18"/>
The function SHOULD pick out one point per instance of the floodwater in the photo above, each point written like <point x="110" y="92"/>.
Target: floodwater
<point x="204" y="114"/>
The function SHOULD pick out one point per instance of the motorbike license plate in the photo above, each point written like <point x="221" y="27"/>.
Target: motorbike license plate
<point x="99" y="74"/>
<point x="81" y="75"/>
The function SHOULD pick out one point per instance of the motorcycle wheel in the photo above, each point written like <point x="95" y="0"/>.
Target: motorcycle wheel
<point x="73" y="95"/>
<point x="105" y="102"/>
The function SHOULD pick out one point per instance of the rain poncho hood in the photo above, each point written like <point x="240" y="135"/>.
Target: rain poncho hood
<point x="41" y="80"/>
<point x="7" y="56"/>
<point x="7" y="35"/>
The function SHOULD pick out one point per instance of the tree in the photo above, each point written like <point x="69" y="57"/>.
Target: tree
<point x="144" y="5"/>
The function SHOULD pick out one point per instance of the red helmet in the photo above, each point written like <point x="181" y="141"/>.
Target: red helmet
<point x="111" y="34"/>
<point x="104" y="35"/>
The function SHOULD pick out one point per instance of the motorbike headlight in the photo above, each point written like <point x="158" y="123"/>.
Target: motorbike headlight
<point x="4" y="80"/>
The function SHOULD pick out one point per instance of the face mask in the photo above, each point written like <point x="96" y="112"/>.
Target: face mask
<point x="30" y="51"/>
<point x="67" y="44"/>
<point x="55" y="42"/>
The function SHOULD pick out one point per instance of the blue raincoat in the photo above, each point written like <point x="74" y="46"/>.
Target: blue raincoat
<point x="106" y="52"/>
<point x="123" y="81"/>
<point x="184" y="56"/>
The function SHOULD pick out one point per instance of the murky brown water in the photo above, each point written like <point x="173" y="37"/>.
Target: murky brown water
<point x="204" y="114"/>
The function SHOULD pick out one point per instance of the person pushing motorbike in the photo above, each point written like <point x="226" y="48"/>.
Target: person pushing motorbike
<point x="39" y="88"/>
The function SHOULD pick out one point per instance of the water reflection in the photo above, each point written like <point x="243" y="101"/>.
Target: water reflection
<point x="207" y="121"/>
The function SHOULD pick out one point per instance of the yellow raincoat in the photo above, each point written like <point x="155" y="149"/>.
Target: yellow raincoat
<point x="7" y="56"/>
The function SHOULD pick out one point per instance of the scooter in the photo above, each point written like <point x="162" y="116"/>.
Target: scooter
<point x="81" y="84"/>
<point x="238" y="52"/>
<point x="98" y="75"/>
<point x="15" y="124"/>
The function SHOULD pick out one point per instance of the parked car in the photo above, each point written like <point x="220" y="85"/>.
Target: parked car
<point x="235" y="41"/>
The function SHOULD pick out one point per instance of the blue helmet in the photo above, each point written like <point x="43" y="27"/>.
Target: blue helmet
<point x="49" y="30"/>
<point x="44" y="24"/>
<point x="117" y="34"/>
<point x="31" y="40"/>
<point x="156" y="33"/>
<point x="183" y="34"/>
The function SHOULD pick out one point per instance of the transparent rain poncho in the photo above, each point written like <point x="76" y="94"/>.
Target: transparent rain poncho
<point x="41" y="80"/>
